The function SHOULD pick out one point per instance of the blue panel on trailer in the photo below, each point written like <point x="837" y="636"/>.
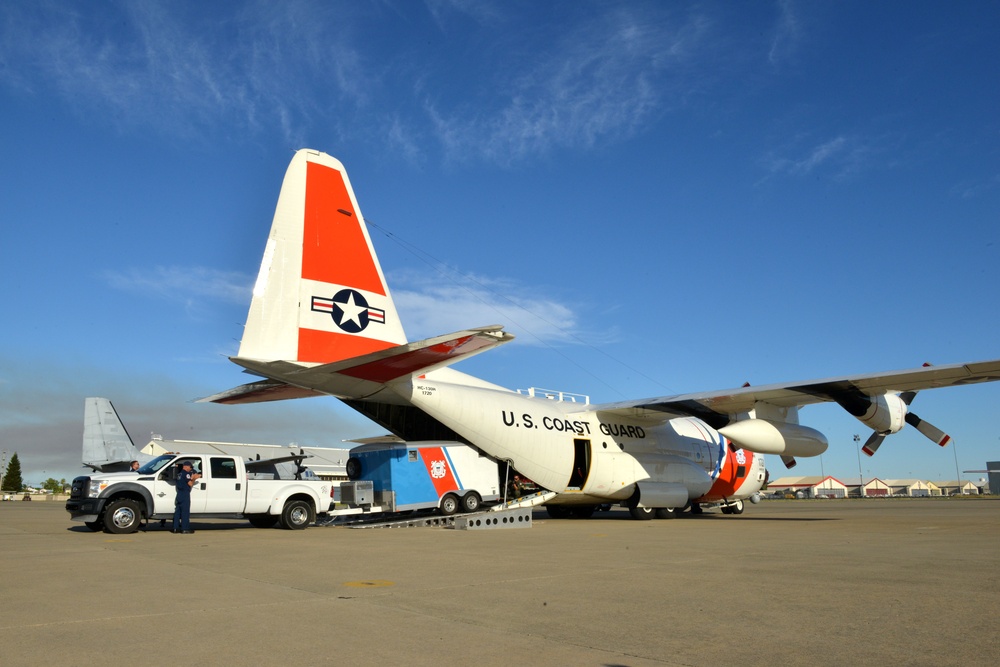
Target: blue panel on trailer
<point x="411" y="482"/>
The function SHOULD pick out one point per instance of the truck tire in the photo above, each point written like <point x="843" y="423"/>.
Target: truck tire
<point x="449" y="504"/>
<point x="471" y="502"/>
<point x="297" y="514"/>
<point x="122" y="516"/>
<point x="262" y="520"/>
<point x="96" y="526"/>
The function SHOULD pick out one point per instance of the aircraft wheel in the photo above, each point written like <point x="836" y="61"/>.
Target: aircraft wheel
<point x="726" y="509"/>
<point x="641" y="513"/>
<point x="583" y="511"/>
<point x="666" y="513"/>
<point x="95" y="526"/>
<point x="558" y="511"/>
<point x="449" y="504"/>
<point x="737" y="507"/>
<point x="296" y="515"/>
<point x="122" y="516"/>
<point x="471" y="502"/>
<point x="262" y="520"/>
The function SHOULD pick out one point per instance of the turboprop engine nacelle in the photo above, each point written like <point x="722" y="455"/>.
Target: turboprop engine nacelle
<point x="768" y="437"/>
<point x="885" y="414"/>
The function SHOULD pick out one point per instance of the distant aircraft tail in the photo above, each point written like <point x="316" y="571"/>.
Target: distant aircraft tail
<point x="107" y="446"/>
<point x="320" y="296"/>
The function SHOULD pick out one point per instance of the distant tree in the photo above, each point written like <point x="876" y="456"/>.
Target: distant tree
<point x="53" y="485"/>
<point x="12" y="479"/>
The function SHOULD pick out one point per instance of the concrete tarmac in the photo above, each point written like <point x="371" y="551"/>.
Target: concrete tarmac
<point x="870" y="582"/>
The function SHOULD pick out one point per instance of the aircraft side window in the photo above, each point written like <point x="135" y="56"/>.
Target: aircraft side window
<point x="223" y="468"/>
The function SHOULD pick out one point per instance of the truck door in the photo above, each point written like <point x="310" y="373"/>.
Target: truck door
<point x="224" y="492"/>
<point x="165" y="488"/>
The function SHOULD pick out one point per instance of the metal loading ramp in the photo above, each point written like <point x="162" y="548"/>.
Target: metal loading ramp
<point x="513" y="518"/>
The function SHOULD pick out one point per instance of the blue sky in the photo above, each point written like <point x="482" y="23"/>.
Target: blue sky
<point x="655" y="198"/>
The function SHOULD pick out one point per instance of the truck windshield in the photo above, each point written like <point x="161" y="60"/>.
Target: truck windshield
<point x="154" y="465"/>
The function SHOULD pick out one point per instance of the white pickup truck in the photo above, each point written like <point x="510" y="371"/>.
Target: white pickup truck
<point x="261" y="491"/>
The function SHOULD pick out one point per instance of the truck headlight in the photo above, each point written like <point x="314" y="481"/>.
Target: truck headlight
<point x="95" y="487"/>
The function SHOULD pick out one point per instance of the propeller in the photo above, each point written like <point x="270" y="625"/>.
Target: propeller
<point x="928" y="430"/>
<point x="789" y="461"/>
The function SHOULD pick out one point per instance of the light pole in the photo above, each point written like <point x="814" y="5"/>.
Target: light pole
<point x="861" y="477"/>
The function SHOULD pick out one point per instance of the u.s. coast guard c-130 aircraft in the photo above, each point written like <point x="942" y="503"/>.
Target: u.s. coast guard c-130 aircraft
<point x="322" y="321"/>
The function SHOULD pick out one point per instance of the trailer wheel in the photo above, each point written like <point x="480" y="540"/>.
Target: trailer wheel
<point x="449" y="504"/>
<point x="353" y="468"/>
<point x="95" y="526"/>
<point x="262" y="520"/>
<point x="471" y="502"/>
<point x="296" y="515"/>
<point x="122" y="516"/>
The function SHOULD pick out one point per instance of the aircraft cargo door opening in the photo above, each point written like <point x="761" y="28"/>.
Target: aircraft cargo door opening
<point x="581" y="463"/>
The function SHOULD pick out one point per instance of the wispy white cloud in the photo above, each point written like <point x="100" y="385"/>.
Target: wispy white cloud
<point x="600" y="80"/>
<point x="429" y="306"/>
<point x="842" y="156"/>
<point x="184" y="284"/>
<point x="787" y="32"/>
<point x="244" y="67"/>
<point x="971" y="190"/>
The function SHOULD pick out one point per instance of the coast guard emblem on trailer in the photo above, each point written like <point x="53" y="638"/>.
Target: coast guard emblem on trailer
<point x="438" y="469"/>
<point x="349" y="309"/>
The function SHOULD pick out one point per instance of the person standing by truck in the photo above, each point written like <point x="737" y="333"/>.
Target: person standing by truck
<point x="182" y="504"/>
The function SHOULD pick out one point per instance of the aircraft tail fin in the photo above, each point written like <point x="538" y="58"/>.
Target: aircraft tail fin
<point x="107" y="446"/>
<point x="320" y="296"/>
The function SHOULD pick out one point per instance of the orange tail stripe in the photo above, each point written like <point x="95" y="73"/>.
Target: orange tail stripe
<point x="326" y="347"/>
<point x="334" y="248"/>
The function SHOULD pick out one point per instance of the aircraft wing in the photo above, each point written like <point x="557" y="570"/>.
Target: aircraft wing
<point x="714" y="407"/>
<point x="359" y="377"/>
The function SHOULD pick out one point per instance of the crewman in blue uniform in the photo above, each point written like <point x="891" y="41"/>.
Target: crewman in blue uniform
<point x="182" y="503"/>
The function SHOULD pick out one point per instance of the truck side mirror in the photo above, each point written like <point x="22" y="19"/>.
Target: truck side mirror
<point x="170" y="474"/>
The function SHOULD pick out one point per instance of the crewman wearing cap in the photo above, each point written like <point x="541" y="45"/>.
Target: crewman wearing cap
<point x="186" y="479"/>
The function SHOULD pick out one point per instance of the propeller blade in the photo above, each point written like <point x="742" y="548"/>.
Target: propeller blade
<point x="789" y="461"/>
<point x="873" y="443"/>
<point x="930" y="431"/>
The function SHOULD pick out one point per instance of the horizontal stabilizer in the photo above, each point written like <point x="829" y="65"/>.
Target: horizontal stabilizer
<point x="364" y="375"/>
<point x="259" y="392"/>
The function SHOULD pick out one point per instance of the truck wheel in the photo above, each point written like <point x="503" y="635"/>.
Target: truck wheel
<point x="471" y="502"/>
<point x="95" y="526"/>
<point x="296" y="515"/>
<point x="122" y="516"/>
<point x="353" y="468"/>
<point x="449" y="504"/>
<point x="262" y="520"/>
